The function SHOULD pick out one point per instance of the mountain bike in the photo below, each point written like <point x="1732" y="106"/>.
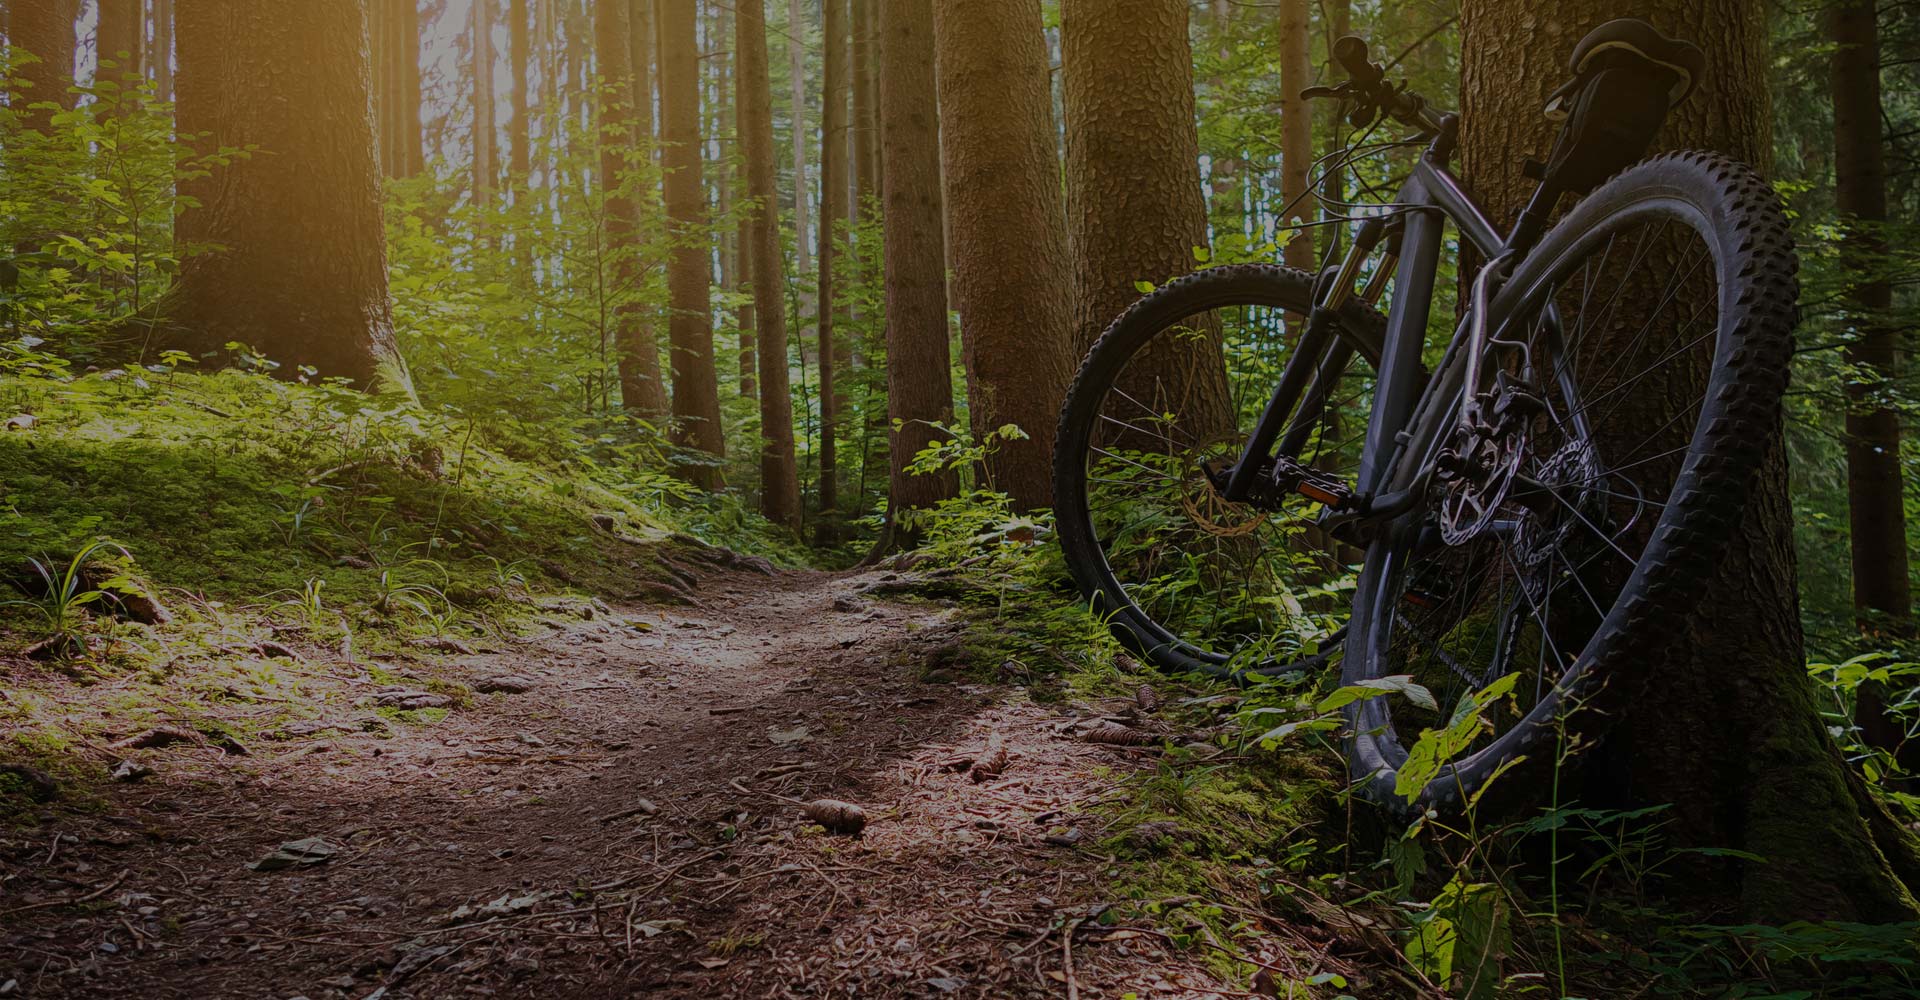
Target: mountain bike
<point x="1506" y="503"/>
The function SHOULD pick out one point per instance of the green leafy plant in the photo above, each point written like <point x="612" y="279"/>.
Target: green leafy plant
<point x="66" y="591"/>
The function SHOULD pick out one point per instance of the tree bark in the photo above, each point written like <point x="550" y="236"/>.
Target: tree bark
<point x="1732" y="741"/>
<point x="744" y="316"/>
<point x="413" y="147"/>
<point x="797" y="76"/>
<point x="779" y="476"/>
<point x="833" y="210"/>
<point x="1296" y="132"/>
<point x="161" y="54"/>
<point x="120" y="37"/>
<point x="730" y="183"/>
<point x="520" y="59"/>
<point x="866" y="102"/>
<point x="39" y="27"/>
<point x="1339" y="19"/>
<point x="303" y="276"/>
<point x="1223" y="173"/>
<point x="485" y="160"/>
<point x="641" y="391"/>
<point x="696" y="387"/>
<point x="919" y="379"/>
<point x="1135" y="211"/>
<point x="1882" y="593"/>
<point x="640" y="17"/>
<point x="1003" y="194"/>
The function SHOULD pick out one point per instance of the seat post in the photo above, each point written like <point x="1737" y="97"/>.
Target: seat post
<point x="1532" y="223"/>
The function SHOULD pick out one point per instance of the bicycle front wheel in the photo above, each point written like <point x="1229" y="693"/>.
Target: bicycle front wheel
<point x="1636" y="370"/>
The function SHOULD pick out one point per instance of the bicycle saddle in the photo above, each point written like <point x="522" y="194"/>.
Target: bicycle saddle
<point x="1629" y="39"/>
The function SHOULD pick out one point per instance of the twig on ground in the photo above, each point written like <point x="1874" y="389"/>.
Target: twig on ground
<point x="95" y="894"/>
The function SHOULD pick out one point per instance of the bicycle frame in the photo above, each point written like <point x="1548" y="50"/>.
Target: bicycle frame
<point x="1403" y="422"/>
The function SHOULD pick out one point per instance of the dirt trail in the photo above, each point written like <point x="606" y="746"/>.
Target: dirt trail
<point x="620" y="828"/>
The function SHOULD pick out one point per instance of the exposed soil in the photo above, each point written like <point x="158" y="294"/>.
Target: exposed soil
<point x="628" y="825"/>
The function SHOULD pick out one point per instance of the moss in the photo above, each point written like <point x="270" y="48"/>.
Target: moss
<point x="414" y="716"/>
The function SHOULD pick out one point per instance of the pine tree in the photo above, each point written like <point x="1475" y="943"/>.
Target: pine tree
<point x="42" y="27"/>
<point x="919" y="383"/>
<point x="641" y="391"/>
<point x="302" y="273"/>
<point x="834" y="94"/>
<point x="1004" y="203"/>
<point x="696" y="388"/>
<point x="1135" y="212"/>
<point x="1296" y="131"/>
<point x="779" y="478"/>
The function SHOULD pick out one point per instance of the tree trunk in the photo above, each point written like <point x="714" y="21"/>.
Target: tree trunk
<point x="120" y="38"/>
<point x="403" y="72"/>
<point x="866" y="102"/>
<point x="797" y="63"/>
<point x="303" y="274"/>
<point x="730" y="182"/>
<point x="696" y="387"/>
<point x="379" y="50"/>
<point x="161" y="54"/>
<point x="1732" y="740"/>
<point x="1882" y="595"/>
<point x="802" y="210"/>
<point x="1134" y="206"/>
<point x="1296" y="132"/>
<point x="744" y="317"/>
<point x="1223" y="173"/>
<point x="39" y="27"/>
<point x="1003" y="193"/>
<point x="641" y="391"/>
<point x="640" y="16"/>
<point x="1339" y="19"/>
<point x="520" y="60"/>
<point x="919" y="379"/>
<point x="485" y="159"/>
<point x="779" y="476"/>
<point x="833" y="210"/>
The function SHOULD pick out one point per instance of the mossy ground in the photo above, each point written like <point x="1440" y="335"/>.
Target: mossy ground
<point x="310" y="516"/>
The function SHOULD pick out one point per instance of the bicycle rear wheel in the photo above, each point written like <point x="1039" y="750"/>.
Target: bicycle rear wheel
<point x="1640" y="353"/>
<point x="1165" y="400"/>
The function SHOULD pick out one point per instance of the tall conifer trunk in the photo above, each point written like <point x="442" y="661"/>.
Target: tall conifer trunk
<point x="1876" y="506"/>
<point x="1134" y="206"/>
<point x="120" y="37"/>
<point x="486" y="164"/>
<point x="520" y="61"/>
<point x="641" y="391"/>
<point x="1003" y="195"/>
<point x="43" y="28"/>
<point x="160" y="53"/>
<point x="866" y="101"/>
<point x="303" y="274"/>
<point x="919" y="381"/>
<point x="833" y="212"/>
<point x="779" y="478"/>
<point x="1296" y="131"/>
<point x="696" y="388"/>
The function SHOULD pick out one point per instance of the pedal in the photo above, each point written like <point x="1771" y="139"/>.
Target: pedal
<point x="1323" y="488"/>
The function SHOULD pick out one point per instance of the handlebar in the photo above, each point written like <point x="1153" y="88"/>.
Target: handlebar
<point x="1350" y="52"/>
<point x="1370" y="82"/>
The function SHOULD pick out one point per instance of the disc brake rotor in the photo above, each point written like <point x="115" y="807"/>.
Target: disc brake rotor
<point x="1472" y="497"/>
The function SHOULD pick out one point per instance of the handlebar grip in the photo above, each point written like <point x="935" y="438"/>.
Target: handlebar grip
<point x="1351" y="53"/>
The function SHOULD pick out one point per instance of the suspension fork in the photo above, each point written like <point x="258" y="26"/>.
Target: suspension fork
<point x="1316" y="341"/>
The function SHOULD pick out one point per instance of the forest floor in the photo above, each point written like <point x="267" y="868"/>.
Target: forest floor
<point x="621" y="816"/>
